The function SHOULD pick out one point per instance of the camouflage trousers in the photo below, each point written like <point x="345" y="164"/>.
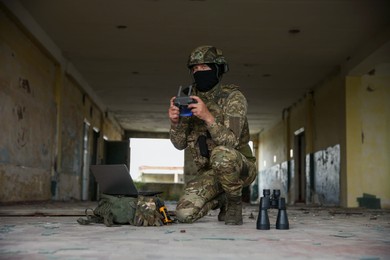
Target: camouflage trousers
<point x="230" y="171"/>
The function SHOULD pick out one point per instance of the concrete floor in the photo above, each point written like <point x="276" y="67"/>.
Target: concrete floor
<point x="50" y="231"/>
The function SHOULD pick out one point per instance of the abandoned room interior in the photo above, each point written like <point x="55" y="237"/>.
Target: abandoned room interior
<point x="80" y="79"/>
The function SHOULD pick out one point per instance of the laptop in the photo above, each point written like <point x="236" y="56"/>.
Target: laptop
<point x="115" y="179"/>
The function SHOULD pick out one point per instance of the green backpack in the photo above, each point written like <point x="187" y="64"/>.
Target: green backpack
<point x="111" y="210"/>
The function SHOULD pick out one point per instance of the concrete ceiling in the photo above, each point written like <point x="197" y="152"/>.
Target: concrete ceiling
<point x="133" y="53"/>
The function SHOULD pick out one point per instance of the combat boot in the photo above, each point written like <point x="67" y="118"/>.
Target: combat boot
<point x="234" y="211"/>
<point x="222" y="207"/>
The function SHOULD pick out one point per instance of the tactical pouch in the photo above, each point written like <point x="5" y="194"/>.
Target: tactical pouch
<point x="203" y="147"/>
<point x="112" y="210"/>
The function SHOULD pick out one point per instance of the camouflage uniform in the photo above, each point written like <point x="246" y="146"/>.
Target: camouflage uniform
<point x="227" y="163"/>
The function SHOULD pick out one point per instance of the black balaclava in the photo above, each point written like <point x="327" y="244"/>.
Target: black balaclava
<point x="207" y="79"/>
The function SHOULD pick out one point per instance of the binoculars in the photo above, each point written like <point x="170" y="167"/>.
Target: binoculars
<point x="273" y="201"/>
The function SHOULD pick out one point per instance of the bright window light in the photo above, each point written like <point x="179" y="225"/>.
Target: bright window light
<point x="153" y="152"/>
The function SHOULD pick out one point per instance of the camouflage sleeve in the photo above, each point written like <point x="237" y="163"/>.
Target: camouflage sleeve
<point x="178" y="135"/>
<point x="228" y="132"/>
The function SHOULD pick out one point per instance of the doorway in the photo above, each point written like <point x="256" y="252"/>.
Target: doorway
<point x="117" y="152"/>
<point x="300" y="167"/>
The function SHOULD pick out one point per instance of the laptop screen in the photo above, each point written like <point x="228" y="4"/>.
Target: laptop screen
<point x="114" y="179"/>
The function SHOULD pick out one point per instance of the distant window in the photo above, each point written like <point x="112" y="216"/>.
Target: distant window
<point x="153" y="153"/>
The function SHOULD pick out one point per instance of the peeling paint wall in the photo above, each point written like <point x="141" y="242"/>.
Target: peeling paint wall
<point x="71" y="141"/>
<point x="324" y="189"/>
<point x="274" y="178"/>
<point x="43" y="111"/>
<point x="27" y="111"/>
<point x="327" y="176"/>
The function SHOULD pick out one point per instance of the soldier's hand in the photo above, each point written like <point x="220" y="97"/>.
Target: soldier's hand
<point x="173" y="113"/>
<point x="201" y="111"/>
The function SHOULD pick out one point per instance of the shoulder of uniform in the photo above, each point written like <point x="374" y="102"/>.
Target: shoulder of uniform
<point x="230" y="88"/>
<point x="227" y="90"/>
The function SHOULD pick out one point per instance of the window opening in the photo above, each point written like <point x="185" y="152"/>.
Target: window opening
<point x="156" y="160"/>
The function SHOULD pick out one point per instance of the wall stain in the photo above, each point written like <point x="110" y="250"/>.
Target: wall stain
<point x="22" y="137"/>
<point x="19" y="111"/>
<point x="21" y="132"/>
<point x="25" y="85"/>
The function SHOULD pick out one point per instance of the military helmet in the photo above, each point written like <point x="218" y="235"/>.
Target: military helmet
<point x="207" y="54"/>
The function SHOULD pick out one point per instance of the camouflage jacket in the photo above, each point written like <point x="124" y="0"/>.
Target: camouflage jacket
<point x="229" y="107"/>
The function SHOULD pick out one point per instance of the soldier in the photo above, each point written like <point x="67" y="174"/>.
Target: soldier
<point x="217" y="136"/>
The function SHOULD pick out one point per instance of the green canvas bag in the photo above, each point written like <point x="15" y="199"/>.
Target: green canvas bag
<point x="111" y="210"/>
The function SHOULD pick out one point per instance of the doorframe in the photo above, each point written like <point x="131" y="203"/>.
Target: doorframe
<point x="300" y="166"/>
<point x="85" y="161"/>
